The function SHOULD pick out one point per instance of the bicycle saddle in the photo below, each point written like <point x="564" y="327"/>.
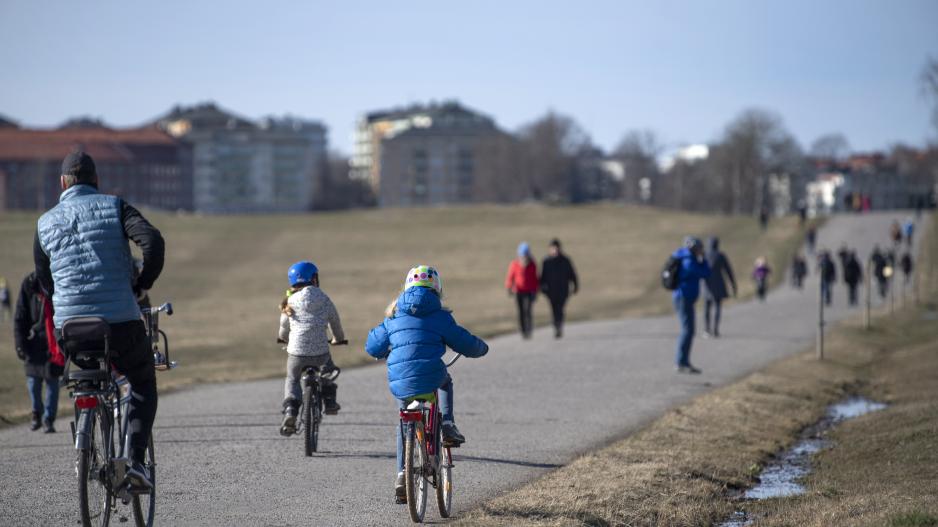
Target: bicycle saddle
<point x="85" y="329"/>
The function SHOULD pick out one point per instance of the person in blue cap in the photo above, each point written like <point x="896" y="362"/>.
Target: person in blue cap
<point x="693" y="269"/>
<point x="522" y="282"/>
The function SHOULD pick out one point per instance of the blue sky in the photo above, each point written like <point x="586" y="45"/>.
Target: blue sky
<point x="683" y="69"/>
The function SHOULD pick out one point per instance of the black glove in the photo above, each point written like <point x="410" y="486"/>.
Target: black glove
<point x="20" y="353"/>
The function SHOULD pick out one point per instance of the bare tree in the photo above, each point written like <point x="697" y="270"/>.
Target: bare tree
<point x="638" y="151"/>
<point x="929" y="80"/>
<point x="831" y="146"/>
<point x="550" y="145"/>
<point x="755" y="144"/>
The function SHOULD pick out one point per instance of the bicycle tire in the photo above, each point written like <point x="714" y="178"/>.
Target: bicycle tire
<point x="444" y="476"/>
<point x="93" y="472"/>
<point x="309" y="435"/>
<point x="145" y="504"/>
<point x="317" y="417"/>
<point x="415" y="481"/>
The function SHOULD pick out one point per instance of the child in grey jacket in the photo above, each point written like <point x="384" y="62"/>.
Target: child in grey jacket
<point x="305" y="314"/>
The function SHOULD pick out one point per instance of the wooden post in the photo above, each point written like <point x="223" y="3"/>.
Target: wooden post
<point x="820" y="319"/>
<point x="869" y="291"/>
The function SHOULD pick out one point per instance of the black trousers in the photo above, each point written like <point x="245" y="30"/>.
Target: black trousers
<point x="717" y="306"/>
<point x="132" y="356"/>
<point x="525" y="317"/>
<point x="557" y="303"/>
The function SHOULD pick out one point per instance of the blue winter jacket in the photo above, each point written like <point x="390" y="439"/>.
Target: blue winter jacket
<point x="414" y="340"/>
<point x="90" y="258"/>
<point x="692" y="272"/>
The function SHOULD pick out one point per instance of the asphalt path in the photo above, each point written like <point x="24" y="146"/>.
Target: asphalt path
<point x="526" y="408"/>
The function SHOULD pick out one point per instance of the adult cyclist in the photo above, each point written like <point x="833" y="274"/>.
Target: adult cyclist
<point x="83" y="260"/>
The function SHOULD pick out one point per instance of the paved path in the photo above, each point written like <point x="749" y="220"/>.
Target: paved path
<point x="528" y="407"/>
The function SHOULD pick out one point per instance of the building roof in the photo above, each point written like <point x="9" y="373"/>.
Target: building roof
<point x="103" y="144"/>
<point x="445" y="112"/>
<point x="202" y="116"/>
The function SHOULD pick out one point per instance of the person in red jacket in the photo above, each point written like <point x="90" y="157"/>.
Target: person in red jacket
<point x="521" y="281"/>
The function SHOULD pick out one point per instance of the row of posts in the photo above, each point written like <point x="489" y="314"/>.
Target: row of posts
<point x="867" y="317"/>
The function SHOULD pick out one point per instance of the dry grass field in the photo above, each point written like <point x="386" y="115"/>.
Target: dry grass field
<point x="689" y="467"/>
<point x="225" y="274"/>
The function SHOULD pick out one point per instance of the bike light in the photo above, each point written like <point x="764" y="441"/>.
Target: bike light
<point x="411" y="417"/>
<point x="86" y="402"/>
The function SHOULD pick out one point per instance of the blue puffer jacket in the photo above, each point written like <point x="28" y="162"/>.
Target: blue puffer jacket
<point x="692" y="272"/>
<point x="414" y="341"/>
<point x="89" y="257"/>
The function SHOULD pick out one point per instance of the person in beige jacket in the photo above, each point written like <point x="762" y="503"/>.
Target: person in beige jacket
<point x="305" y="314"/>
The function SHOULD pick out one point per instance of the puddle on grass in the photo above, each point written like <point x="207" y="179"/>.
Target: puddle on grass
<point x="782" y="477"/>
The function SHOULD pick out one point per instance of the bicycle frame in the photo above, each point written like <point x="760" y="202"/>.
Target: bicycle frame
<point x="424" y="419"/>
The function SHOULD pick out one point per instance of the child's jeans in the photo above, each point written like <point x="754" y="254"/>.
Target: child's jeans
<point x="292" y="391"/>
<point x="446" y="408"/>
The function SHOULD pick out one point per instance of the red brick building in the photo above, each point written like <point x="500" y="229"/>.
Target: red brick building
<point x="146" y="166"/>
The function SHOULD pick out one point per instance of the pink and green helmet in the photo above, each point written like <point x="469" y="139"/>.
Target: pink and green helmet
<point x="424" y="276"/>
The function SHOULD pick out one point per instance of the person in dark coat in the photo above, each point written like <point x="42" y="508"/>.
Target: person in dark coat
<point x="828" y="272"/>
<point x="799" y="269"/>
<point x="905" y="263"/>
<point x="879" y="270"/>
<point x="557" y="275"/>
<point x="717" y="291"/>
<point x="811" y="239"/>
<point x="31" y="325"/>
<point x="853" y="274"/>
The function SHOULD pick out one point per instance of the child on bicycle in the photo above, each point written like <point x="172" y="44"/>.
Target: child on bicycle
<point x="304" y="314"/>
<point x="413" y="337"/>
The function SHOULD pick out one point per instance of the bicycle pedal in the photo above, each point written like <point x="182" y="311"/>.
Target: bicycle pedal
<point x="400" y="500"/>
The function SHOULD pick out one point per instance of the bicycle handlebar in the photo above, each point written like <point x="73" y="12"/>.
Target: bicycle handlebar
<point x="165" y="308"/>
<point x="456" y="358"/>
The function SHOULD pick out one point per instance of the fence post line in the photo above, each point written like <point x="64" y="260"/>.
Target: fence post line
<point x="869" y="291"/>
<point x="820" y="322"/>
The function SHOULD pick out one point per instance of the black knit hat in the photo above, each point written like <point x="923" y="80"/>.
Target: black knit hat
<point x="80" y="165"/>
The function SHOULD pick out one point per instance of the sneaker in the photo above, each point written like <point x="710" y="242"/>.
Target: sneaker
<point x="50" y="429"/>
<point x="36" y="423"/>
<point x="332" y="407"/>
<point x="451" y="436"/>
<point x="288" y="427"/>
<point x="139" y="478"/>
<point x="687" y="368"/>
<point x="400" y="491"/>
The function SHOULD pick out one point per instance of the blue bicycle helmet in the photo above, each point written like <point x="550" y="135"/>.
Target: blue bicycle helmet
<point x="302" y="272"/>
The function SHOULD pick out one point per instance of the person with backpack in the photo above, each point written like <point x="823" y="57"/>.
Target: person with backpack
<point x="799" y="269"/>
<point x="716" y="287"/>
<point x="682" y="274"/>
<point x="557" y="275"/>
<point x="34" y="337"/>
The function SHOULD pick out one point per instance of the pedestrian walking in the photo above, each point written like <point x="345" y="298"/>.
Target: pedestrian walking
<point x="853" y="274"/>
<point x="799" y="269"/>
<point x="880" y="265"/>
<point x="5" y="309"/>
<point x="802" y="213"/>
<point x="908" y="230"/>
<point x="557" y="275"/>
<point x="691" y="269"/>
<point x="34" y="339"/>
<point x="521" y="281"/>
<point x="716" y="291"/>
<point x="810" y="238"/>
<point x="764" y="218"/>
<point x="828" y="273"/>
<point x="760" y="274"/>
<point x="895" y="233"/>
<point x="905" y="263"/>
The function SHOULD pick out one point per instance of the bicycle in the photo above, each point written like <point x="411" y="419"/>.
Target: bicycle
<point x="101" y="415"/>
<point x="427" y="461"/>
<point x="311" y="404"/>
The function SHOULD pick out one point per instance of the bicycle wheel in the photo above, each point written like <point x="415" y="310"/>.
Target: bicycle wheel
<point x="94" y="486"/>
<point x="444" y="476"/>
<point x="311" y="427"/>
<point x="145" y="504"/>
<point x="415" y="481"/>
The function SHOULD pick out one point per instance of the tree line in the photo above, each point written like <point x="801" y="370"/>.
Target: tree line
<point x="554" y="160"/>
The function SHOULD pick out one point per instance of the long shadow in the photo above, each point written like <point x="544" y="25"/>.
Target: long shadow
<point x="456" y="458"/>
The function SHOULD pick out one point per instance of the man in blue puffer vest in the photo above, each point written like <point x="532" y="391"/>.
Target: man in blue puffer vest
<point x="694" y="268"/>
<point x="413" y="338"/>
<point x="83" y="260"/>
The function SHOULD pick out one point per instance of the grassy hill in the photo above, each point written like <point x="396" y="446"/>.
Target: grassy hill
<point x="226" y="274"/>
